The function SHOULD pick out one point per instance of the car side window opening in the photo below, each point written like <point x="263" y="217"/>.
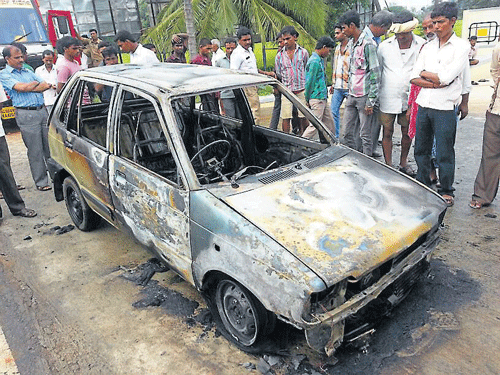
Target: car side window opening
<point x="94" y="113"/>
<point x="227" y="145"/>
<point x="68" y="114"/>
<point x="141" y="138"/>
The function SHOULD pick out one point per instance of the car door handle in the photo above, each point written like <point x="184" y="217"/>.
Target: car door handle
<point x="68" y="144"/>
<point x="120" y="178"/>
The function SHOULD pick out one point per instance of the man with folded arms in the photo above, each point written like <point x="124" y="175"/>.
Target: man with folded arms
<point x="25" y="89"/>
<point x="440" y="70"/>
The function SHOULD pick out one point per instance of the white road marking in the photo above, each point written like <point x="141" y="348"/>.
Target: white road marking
<point x="7" y="363"/>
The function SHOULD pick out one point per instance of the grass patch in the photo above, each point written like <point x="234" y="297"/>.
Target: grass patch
<point x="265" y="90"/>
<point x="271" y="51"/>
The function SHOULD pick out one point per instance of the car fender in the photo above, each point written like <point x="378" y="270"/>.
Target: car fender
<point x="224" y="241"/>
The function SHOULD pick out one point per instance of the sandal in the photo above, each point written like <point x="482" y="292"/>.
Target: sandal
<point x="450" y="200"/>
<point x="44" y="188"/>
<point x="26" y="212"/>
<point x="475" y="204"/>
<point x="407" y="170"/>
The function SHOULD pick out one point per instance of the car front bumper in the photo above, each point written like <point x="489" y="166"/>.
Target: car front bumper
<point x="326" y="330"/>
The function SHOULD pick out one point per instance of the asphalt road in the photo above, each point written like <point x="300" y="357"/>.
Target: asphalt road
<point x="68" y="305"/>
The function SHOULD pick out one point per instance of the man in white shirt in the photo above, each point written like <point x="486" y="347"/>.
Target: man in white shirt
<point x="217" y="52"/>
<point x="138" y="54"/>
<point x="439" y="70"/>
<point x="49" y="74"/>
<point x="8" y="186"/>
<point x="243" y="59"/>
<point x="397" y="56"/>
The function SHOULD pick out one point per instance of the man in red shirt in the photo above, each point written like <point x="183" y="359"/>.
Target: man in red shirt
<point x="209" y="102"/>
<point x="203" y="57"/>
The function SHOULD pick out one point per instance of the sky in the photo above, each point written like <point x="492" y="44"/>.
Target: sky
<point x="409" y="4"/>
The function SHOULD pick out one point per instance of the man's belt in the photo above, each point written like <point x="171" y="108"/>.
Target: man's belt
<point x="31" y="108"/>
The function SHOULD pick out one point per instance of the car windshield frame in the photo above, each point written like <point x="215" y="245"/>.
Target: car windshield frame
<point x="329" y="140"/>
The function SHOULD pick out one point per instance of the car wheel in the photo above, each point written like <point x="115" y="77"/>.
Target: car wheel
<point x="241" y="318"/>
<point x="82" y="215"/>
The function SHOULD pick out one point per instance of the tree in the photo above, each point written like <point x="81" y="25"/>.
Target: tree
<point x="337" y="7"/>
<point x="221" y="18"/>
<point x="190" y="29"/>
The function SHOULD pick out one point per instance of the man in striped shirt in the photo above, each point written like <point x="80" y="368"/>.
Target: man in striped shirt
<point x="364" y="78"/>
<point x="340" y="78"/>
<point x="290" y="64"/>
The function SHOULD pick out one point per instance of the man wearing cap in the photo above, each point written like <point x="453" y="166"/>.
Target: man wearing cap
<point x="397" y="55"/>
<point x="217" y="52"/>
<point x="316" y="92"/>
<point x="178" y="49"/>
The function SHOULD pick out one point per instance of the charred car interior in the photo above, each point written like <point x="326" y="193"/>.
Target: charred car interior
<point x="267" y="225"/>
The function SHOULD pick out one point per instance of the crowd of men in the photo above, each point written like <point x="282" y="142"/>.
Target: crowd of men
<point x="423" y="85"/>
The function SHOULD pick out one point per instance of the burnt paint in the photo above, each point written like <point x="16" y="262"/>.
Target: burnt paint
<point x="281" y="282"/>
<point x="342" y="219"/>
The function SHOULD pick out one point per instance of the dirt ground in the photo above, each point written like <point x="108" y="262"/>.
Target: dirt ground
<point x="66" y="307"/>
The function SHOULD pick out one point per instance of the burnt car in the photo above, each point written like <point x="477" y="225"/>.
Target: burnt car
<point x="267" y="225"/>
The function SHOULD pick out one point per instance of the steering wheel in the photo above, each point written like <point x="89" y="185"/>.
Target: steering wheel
<point x="218" y="151"/>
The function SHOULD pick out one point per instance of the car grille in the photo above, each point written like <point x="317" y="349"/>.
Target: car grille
<point x="278" y="176"/>
<point x="313" y="163"/>
<point x="356" y="286"/>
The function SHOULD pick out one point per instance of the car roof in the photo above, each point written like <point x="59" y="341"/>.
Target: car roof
<point x="177" y="78"/>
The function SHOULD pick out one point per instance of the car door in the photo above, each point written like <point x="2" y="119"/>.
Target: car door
<point x="83" y="125"/>
<point x="147" y="187"/>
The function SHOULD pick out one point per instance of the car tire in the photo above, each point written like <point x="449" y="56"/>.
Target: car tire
<point x="241" y="318"/>
<point x="82" y="215"/>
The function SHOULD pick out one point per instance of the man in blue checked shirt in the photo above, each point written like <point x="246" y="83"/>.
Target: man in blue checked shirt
<point x="25" y="90"/>
<point x="316" y="92"/>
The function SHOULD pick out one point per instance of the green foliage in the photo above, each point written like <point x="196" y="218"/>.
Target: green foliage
<point x="458" y="28"/>
<point x="221" y="18"/>
<point x="337" y="7"/>
<point x="125" y="57"/>
<point x="271" y="51"/>
<point x="144" y="13"/>
<point x="265" y="90"/>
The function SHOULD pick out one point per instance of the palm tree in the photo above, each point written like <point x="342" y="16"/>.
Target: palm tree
<point x="221" y="18"/>
<point x="190" y="29"/>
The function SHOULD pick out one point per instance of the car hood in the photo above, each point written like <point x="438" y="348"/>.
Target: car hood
<point x="344" y="218"/>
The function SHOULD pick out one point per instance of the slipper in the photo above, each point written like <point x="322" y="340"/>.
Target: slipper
<point x="434" y="181"/>
<point x="25" y="212"/>
<point x="450" y="200"/>
<point x="475" y="204"/>
<point x="44" y="188"/>
<point x="407" y="170"/>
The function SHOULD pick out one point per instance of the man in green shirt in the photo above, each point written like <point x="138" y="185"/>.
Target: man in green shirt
<point x="316" y="92"/>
